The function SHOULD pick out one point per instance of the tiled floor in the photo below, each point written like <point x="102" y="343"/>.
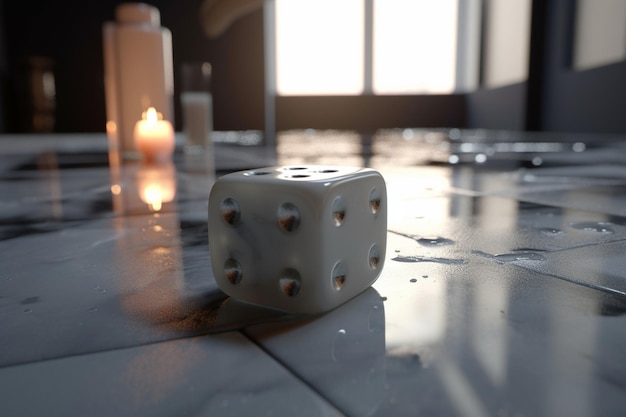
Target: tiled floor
<point x="503" y="291"/>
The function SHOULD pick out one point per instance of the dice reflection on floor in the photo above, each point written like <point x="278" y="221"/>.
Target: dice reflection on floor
<point x="340" y="353"/>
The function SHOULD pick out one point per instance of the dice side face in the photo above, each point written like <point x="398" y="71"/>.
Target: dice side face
<point x="297" y="240"/>
<point x="263" y="235"/>
<point x="355" y="235"/>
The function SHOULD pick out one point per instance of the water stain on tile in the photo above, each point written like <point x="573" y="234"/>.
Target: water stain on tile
<point x="434" y="241"/>
<point x="551" y="232"/>
<point x="596" y="227"/>
<point x="30" y="300"/>
<point x="426" y="241"/>
<point x="445" y="261"/>
<point x="512" y="257"/>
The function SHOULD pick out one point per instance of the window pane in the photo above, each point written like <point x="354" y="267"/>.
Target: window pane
<point x="600" y="35"/>
<point x="508" y="39"/>
<point x="319" y="47"/>
<point x="414" y="46"/>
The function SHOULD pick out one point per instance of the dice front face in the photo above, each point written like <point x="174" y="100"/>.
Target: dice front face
<point x="302" y="239"/>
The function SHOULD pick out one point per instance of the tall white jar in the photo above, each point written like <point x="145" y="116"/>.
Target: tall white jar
<point x="138" y="72"/>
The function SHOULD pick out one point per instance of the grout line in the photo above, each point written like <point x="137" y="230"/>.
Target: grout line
<point x="573" y="281"/>
<point x="95" y="352"/>
<point x="291" y="371"/>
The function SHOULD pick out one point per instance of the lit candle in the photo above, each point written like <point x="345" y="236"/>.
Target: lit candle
<point x="154" y="137"/>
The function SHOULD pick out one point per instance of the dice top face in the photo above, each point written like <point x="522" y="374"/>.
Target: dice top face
<point x="303" y="239"/>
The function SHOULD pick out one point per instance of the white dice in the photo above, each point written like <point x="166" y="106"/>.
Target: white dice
<point x="302" y="239"/>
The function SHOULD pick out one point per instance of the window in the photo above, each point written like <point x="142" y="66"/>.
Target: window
<point x="351" y="47"/>
<point x="600" y="33"/>
<point x="319" y="47"/>
<point x="507" y="42"/>
<point x="414" y="46"/>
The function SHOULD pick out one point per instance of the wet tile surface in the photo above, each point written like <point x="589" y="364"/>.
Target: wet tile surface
<point x="201" y="376"/>
<point x="503" y="291"/>
<point x="469" y="339"/>
<point x="86" y="269"/>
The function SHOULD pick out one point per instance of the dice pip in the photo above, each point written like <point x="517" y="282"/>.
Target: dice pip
<point x="302" y="239"/>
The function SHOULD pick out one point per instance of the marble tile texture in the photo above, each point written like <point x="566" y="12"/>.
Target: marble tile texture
<point x="503" y="291"/>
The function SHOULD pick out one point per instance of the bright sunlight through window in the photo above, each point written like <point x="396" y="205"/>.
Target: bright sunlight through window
<point x="414" y="46"/>
<point x="321" y="48"/>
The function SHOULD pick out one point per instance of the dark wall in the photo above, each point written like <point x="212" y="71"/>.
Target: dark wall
<point x="587" y="101"/>
<point x="4" y="84"/>
<point x="497" y="108"/>
<point x="582" y="101"/>
<point x="70" y="33"/>
<point x="556" y="97"/>
<point x="368" y="113"/>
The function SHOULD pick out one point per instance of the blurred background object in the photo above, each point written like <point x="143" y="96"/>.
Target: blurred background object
<point x="550" y="65"/>
<point x="197" y="106"/>
<point x="36" y="94"/>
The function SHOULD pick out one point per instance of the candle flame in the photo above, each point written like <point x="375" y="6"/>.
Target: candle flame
<point x="152" y="115"/>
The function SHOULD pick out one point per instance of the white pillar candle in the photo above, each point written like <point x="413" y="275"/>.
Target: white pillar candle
<point x="154" y="137"/>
